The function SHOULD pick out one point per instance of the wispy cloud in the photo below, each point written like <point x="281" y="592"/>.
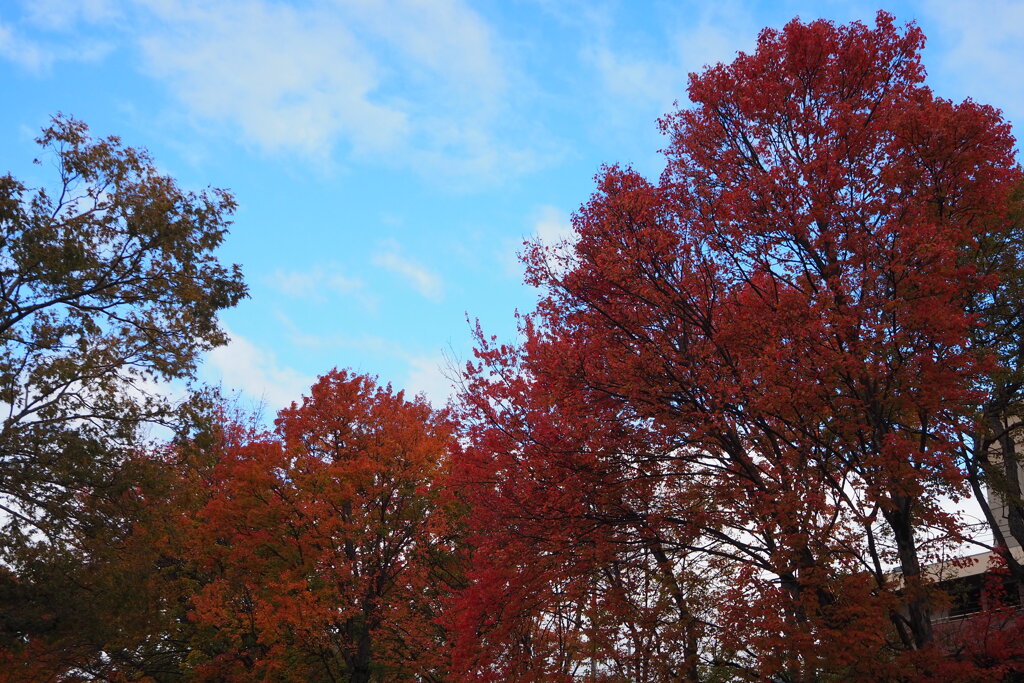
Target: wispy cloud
<point x="320" y="282"/>
<point x="38" y="56"/>
<point x="426" y="86"/>
<point x="428" y="376"/>
<point x="409" y="83"/>
<point x="713" y="33"/>
<point x="420" y="278"/>
<point x="287" y="78"/>
<point x="700" y="34"/>
<point x="550" y="226"/>
<point x="426" y="373"/>
<point x="628" y="77"/>
<point x="63" y="15"/>
<point x="444" y="37"/>
<point x="981" y="47"/>
<point x="24" y="52"/>
<point x="241" y="365"/>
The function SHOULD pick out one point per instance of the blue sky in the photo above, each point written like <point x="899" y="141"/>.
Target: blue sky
<point x="390" y="156"/>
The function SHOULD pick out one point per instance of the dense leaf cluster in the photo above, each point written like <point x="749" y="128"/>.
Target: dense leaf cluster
<point x="724" y="448"/>
<point x="108" y="283"/>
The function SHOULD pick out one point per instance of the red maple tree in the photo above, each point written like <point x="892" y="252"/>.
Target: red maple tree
<point x="737" y="407"/>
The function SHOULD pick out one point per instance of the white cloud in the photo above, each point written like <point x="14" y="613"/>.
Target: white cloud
<point x="24" y="52"/>
<point x="629" y="77"/>
<point x="427" y="376"/>
<point x="62" y="15"/>
<point x="423" y="280"/>
<point x="286" y="78"/>
<point x="403" y="82"/>
<point x="316" y="283"/>
<point x="443" y="36"/>
<point x="407" y="83"/>
<point x="38" y="57"/>
<point x="714" y="35"/>
<point x="711" y="33"/>
<point x="454" y="86"/>
<point x="426" y="373"/>
<point x="241" y="365"/>
<point x="985" y="49"/>
<point x="551" y="226"/>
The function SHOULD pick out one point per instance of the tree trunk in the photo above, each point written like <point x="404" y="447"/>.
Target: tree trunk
<point x="918" y="605"/>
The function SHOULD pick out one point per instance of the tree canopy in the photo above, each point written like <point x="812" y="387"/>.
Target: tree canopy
<point x="745" y="393"/>
<point x="728" y="444"/>
<point x="109" y="283"/>
<point x="109" y="287"/>
<point x="325" y="549"/>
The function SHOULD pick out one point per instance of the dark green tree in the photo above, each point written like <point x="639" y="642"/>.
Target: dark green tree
<point x="992" y="452"/>
<point x="108" y="285"/>
<point x="109" y="288"/>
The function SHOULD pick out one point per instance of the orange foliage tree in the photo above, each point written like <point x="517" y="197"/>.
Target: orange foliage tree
<point x="322" y="551"/>
<point x="738" y="405"/>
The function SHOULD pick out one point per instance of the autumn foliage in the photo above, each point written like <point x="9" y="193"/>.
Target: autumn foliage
<point x="742" y="396"/>
<point x="726" y="445"/>
<point x="323" y="548"/>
